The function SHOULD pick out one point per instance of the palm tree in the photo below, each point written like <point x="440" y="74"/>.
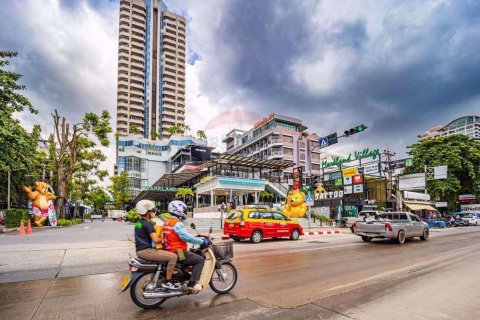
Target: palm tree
<point x="201" y="135"/>
<point x="187" y="128"/>
<point x="134" y="129"/>
<point x="174" y="129"/>
<point x="184" y="192"/>
<point x="155" y="135"/>
<point x="265" y="195"/>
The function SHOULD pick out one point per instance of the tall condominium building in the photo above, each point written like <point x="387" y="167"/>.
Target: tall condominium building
<point x="281" y="138"/>
<point x="151" y="69"/>
<point x="469" y="126"/>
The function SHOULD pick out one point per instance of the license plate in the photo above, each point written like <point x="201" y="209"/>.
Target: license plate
<point x="125" y="282"/>
<point x="232" y="225"/>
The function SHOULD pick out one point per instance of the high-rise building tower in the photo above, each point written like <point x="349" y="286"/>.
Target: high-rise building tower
<point x="151" y="69"/>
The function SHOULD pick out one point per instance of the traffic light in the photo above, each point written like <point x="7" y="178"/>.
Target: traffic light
<point x="355" y="130"/>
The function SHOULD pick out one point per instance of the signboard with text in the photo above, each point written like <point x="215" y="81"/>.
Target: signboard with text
<point x="414" y="181"/>
<point x="371" y="169"/>
<point x="348" y="189"/>
<point x="357" y="179"/>
<point x="297" y="178"/>
<point x="470" y="208"/>
<point x="358" y="188"/>
<point x="347" y="180"/>
<point x="349" y="172"/>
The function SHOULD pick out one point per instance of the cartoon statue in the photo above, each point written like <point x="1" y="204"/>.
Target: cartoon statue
<point x="320" y="188"/>
<point x="295" y="206"/>
<point x="41" y="202"/>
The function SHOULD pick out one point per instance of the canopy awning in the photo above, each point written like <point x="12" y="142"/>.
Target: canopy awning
<point x="226" y="158"/>
<point x="419" y="206"/>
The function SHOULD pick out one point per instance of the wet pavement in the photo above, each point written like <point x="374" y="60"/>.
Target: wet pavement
<point x="326" y="277"/>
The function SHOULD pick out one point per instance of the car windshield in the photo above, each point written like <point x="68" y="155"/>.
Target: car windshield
<point x="234" y="215"/>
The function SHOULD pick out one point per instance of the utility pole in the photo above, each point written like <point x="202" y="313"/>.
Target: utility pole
<point x="43" y="171"/>
<point x="8" y="190"/>
<point x="387" y="154"/>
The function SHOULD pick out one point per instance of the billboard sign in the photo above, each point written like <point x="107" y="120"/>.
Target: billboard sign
<point x="399" y="164"/>
<point x="467" y="198"/>
<point x="297" y="178"/>
<point x="329" y="195"/>
<point x="358" y="188"/>
<point x="371" y="169"/>
<point x="349" y="172"/>
<point x="470" y="208"/>
<point x="200" y="153"/>
<point x="414" y="181"/>
<point x="348" y="189"/>
<point x="358" y="179"/>
<point x="347" y="180"/>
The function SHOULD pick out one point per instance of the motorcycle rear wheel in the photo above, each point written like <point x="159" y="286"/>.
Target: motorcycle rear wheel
<point x="220" y="286"/>
<point x="137" y="288"/>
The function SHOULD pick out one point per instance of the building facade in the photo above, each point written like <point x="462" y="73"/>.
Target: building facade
<point x="279" y="137"/>
<point x="151" y="69"/>
<point x="469" y="126"/>
<point x="145" y="161"/>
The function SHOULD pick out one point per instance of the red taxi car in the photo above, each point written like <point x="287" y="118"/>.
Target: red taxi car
<point x="258" y="223"/>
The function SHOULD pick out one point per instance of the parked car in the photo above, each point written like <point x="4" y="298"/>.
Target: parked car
<point x="397" y="226"/>
<point x="473" y="220"/>
<point x="259" y="223"/>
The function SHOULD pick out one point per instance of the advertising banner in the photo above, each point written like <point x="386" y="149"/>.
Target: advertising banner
<point x="371" y="169"/>
<point x="347" y="180"/>
<point x="474" y="208"/>
<point x="338" y="182"/>
<point x="358" y="188"/>
<point x="358" y="179"/>
<point x="297" y="178"/>
<point x="414" y="181"/>
<point x="348" y="189"/>
<point x="416" y="196"/>
<point x="467" y="198"/>
<point x="349" y="172"/>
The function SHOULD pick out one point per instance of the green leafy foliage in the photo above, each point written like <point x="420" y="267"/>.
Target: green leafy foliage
<point x="462" y="156"/>
<point x="266" y="196"/>
<point x="201" y="135"/>
<point x="120" y="190"/>
<point x="97" y="198"/>
<point x="184" y="192"/>
<point x="67" y="222"/>
<point x="14" y="216"/>
<point x="132" y="216"/>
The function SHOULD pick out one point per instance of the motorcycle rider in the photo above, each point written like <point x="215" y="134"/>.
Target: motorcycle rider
<point x="146" y="237"/>
<point x="175" y="238"/>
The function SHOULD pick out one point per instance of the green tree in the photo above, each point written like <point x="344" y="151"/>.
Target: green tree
<point x="266" y="196"/>
<point x="187" y="129"/>
<point x="175" y="129"/>
<point x="134" y="129"/>
<point x="201" y="135"/>
<point x="462" y="156"/>
<point x="18" y="147"/>
<point x="184" y="192"/>
<point x="97" y="198"/>
<point x="70" y="146"/>
<point x="120" y="190"/>
<point x="155" y="135"/>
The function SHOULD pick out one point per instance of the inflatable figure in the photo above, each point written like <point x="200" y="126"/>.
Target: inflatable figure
<point x="320" y="189"/>
<point x="295" y="206"/>
<point x="41" y="201"/>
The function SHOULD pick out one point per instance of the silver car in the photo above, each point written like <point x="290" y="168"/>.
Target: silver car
<point x="398" y="226"/>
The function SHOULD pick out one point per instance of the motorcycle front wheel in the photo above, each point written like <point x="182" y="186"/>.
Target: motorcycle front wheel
<point x="139" y="286"/>
<point x="229" y="280"/>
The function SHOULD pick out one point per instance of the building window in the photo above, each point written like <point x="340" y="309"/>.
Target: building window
<point x="288" y="151"/>
<point x="315" y="167"/>
<point x="302" y="145"/>
<point x="288" y="139"/>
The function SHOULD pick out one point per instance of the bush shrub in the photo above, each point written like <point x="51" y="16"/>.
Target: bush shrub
<point x="323" y="218"/>
<point x="65" y="222"/>
<point x="132" y="216"/>
<point x="13" y="217"/>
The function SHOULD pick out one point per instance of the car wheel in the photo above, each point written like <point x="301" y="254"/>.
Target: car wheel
<point x="256" y="237"/>
<point x="426" y="234"/>
<point x="401" y="237"/>
<point x="366" y="239"/>
<point x="295" y="234"/>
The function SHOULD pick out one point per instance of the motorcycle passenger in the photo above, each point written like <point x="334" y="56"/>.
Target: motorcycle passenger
<point x="145" y="237"/>
<point x="175" y="238"/>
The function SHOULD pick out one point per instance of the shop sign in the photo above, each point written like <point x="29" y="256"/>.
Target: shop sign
<point x="161" y="189"/>
<point x="264" y="120"/>
<point x="357" y="155"/>
<point x="338" y="182"/>
<point x="416" y="196"/>
<point x="441" y="204"/>
<point x="467" y="198"/>
<point x="297" y="178"/>
<point x="347" y="180"/>
<point x="358" y="188"/>
<point x="358" y="179"/>
<point x="371" y="169"/>
<point x="470" y="207"/>
<point x="399" y="164"/>
<point x="413" y="181"/>
<point x="349" y="172"/>
<point x="332" y="176"/>
<point x="329" y="195"/>
<point x="348" y="189"/>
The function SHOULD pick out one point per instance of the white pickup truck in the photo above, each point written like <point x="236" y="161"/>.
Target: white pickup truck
<point x="397" y="226"/>
<point x="362" y="215"/>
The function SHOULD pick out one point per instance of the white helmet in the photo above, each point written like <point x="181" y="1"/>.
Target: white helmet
<point x="143" y="206"/>
<point x="178" y="208"/>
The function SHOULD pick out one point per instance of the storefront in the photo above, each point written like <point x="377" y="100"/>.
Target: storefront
<point x="420" y="204"/>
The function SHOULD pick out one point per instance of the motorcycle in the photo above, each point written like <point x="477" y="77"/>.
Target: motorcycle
<point x="145" y="281"/>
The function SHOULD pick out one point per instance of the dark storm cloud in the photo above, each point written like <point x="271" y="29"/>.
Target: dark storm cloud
<point x="402" y="67"/>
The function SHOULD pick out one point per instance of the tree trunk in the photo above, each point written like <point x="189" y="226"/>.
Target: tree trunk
<point x="61" y="197"/>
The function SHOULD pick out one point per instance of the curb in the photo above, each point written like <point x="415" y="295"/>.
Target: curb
<point x="306" y="233"/>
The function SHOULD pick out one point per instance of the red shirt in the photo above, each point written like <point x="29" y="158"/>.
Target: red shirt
<point x="171" y="241"/>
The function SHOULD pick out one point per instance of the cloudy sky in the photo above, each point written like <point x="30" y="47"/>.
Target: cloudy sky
<point x="400" y="67"/>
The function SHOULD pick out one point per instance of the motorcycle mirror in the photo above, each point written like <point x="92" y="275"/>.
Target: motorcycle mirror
<point x="192" y="225"/>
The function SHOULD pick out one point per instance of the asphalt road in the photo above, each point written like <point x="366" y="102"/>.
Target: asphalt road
<point x="320" y="277"/>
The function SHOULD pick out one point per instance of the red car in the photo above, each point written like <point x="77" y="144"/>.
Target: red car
<point x="256" y="224"/>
